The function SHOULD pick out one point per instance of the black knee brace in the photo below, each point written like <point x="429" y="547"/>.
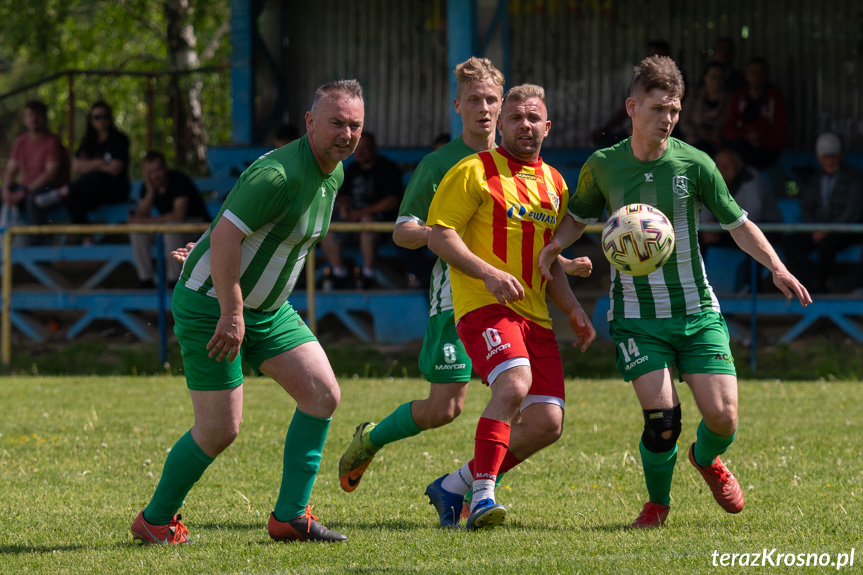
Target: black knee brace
<point x="657" y="422"/>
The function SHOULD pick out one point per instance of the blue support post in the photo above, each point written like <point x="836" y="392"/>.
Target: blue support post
<point x="461" y="45"/>
<point x="242" y="74"/>
<point x="499" y="21"/>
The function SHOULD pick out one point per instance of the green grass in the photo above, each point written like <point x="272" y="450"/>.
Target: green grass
<point x="80" y="456"/>
<point x="820" y="356"/>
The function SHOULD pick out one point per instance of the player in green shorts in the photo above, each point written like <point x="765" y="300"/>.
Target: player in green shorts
<point x="443" y="360"/>
<point x="231" y="305"/>
<point x="670" y="317"/>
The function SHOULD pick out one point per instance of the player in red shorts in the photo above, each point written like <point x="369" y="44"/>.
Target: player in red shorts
<point x="491" y="215"/>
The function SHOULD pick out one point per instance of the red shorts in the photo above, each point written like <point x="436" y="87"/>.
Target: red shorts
<point x="497" y="338"/>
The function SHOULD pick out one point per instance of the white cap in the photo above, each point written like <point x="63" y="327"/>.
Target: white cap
<point x="828" y="145"/>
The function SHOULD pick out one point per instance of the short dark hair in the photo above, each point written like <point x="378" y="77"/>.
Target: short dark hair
<point x="370" y="138"/>
<point x="759" y="61"/>
<point x="37" y="106"/>
<point x="286" y="132"/>
<point x="153" y="156"/>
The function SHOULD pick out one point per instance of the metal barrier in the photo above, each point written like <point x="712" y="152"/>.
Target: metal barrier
<point x="767" y="305"/>
<point x="90" y="229"/>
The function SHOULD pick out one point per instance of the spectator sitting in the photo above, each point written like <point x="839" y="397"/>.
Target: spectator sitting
<point x="174" y="196"/>
<point x="723" y="53"/>
<point x="617" y="127"/>
<point x="748" y="189"/>
<point x="441" y="139"/>
<point x="40" y="160"/>
<point x="835" y="196"/>
<point x="703" y="118"/>
<point x="285" y="134"/>
<point x="757" y="122"/>
<point x="371" y="192"/>
<point x="102" y="166"/>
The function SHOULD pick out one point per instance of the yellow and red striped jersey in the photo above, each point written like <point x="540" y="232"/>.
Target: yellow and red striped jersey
<point x="505" y="211"/>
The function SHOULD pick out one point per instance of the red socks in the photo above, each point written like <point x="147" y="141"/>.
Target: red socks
<point x="491" y="449"/>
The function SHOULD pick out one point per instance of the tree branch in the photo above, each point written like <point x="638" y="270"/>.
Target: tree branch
<point x="214" y="42"/>
<point x="140" y="19"/>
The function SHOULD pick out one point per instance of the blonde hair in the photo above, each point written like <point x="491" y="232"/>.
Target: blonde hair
<point x="525" y="92"/>
<point x="477" y="70"/>
<point x="657" y="72"/>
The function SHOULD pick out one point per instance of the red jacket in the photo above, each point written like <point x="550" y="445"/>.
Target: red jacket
<point x="770" y="123"/>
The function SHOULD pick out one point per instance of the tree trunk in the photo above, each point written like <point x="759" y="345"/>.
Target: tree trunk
<point x="183" y="55"/>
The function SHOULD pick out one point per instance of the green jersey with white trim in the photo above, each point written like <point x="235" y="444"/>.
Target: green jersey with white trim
<point x="679" y="183"/>
<point x="283" y="203"/>
<point x="415" y="207"/>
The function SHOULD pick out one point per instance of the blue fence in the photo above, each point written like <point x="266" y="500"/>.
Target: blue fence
<point x="387" y="316"/>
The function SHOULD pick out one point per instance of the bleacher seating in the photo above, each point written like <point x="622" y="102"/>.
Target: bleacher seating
<point x="390" y="316"/>
<point x="385" y="317"/>
<point x="393" y="316"/>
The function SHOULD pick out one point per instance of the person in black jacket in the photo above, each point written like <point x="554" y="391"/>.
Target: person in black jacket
<point x="175" y="199"/>
<point x="102" y="166"/>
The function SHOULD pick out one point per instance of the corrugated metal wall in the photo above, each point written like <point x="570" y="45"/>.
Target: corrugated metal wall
<point x="396" y="49"/>
<point x="582" y="51"/>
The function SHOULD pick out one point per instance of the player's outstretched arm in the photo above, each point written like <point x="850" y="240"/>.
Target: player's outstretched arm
<point x="447" y="244"/>
<point x="180" y="254"/>
<point x="751" y="240"/>
<point x="567" y="232"/>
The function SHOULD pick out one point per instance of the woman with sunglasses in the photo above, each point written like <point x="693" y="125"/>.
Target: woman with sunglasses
<point x="102" y="166"/>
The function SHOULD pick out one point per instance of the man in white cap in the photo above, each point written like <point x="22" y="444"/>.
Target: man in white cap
<point x="832" y="196"/>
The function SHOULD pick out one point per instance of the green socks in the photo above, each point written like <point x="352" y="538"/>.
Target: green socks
<point x="185" y="465"/>
<point x="398" y="425"/>
<point x="303" y="444"/>
<point x="709" y="446"/>
<point x="658" y="472"/>
<point x="659" y="467"/>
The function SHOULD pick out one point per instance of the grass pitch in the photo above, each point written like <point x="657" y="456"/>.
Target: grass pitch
<point x="80" y="456"/>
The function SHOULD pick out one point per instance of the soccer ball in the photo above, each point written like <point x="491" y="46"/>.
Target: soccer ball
<point x="638" y="239"/>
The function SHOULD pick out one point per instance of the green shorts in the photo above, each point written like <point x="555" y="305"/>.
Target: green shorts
<point x="443" y="358"/>
<point x="268" y="333"/>
<point x="696" y="343"/>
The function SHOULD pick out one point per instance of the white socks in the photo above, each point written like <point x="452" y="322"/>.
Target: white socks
<point x="459" y="482"/>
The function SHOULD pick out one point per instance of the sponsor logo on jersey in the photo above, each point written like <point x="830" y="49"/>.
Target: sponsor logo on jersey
<point x="648" y="177"/>
<point x="680" y="186"/>
<point x="516" y="211"/>
<point x="636" y="361"/>
<point x="544" y="218"/>
<point x="532" y="177"/>
<point x="446" y="367"/>
<point x="497" y="349"/>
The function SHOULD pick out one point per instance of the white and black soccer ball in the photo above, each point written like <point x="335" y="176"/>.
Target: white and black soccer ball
<point x="638" y="239"/>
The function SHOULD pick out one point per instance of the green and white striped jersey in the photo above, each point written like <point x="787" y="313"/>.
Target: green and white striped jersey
<point x="282" y="203"/>
<point x="679" y="183"/>
<point x="415" y="207"/>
